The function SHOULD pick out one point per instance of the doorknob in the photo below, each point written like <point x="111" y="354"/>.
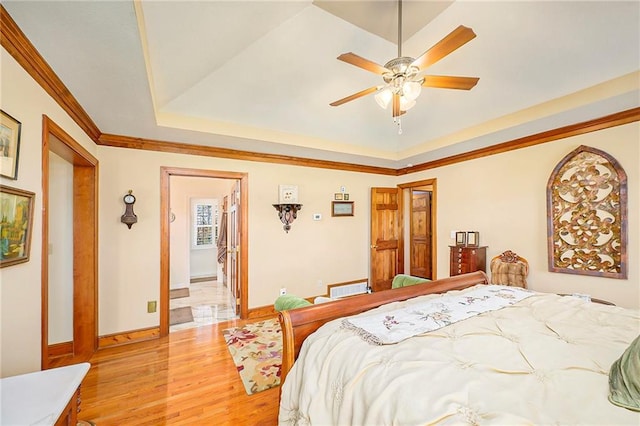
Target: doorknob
<point x="374" y="246"/>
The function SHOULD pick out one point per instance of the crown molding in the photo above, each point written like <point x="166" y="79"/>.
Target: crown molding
<point x="612" y="120"/>
<point x="209" y="151"/>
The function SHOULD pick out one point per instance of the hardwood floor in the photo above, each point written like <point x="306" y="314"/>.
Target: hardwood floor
<point x="186" y="378"/>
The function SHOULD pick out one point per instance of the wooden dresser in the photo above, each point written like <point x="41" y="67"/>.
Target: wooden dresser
<point x="47" y="398"/>
<point x="465" y="259"/>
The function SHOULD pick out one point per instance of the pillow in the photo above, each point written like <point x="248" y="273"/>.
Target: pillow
<point x="624" y="378"/>
<point x="402" y="280"/>
<point x="289" y="301"/>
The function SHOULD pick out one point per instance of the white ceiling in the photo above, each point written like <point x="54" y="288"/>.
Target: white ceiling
<point x="259" y="75"/>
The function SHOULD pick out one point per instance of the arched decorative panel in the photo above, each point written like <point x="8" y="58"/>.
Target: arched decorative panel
<point x="587" y="215"/>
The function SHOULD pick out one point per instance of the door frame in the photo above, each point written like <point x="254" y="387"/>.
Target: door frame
<point x="434" y="217"/>
<point x="165" y="175"/>
<point x="85" y="249"/>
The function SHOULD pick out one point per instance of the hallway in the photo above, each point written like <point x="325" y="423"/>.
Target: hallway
<point x="210" y="301"/>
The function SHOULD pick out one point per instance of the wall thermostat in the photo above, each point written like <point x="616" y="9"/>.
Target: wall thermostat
<point x="317" y="216"/>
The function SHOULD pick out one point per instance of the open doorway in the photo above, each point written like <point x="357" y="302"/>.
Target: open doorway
<point x="199" y="293"/>
<point x="203" y="245"/>
<point x="420" y="236"/>
<point x="69" y="249"/>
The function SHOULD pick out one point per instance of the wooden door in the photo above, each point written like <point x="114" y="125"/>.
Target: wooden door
<point x="386" y="237"/>
<point x="420" y="234"/>
<point x="234" y="245"/>
<point x="223" y="244"/>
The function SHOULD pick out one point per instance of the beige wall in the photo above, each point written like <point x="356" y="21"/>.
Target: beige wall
<point x="130" y="261"/>
<point x="20" y="288"/>
<point x="503" y="197"/>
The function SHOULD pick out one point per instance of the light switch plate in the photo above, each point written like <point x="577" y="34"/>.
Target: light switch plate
<point x="317" y="216"/>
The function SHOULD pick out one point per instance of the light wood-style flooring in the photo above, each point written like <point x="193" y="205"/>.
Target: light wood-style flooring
<point x="186" y="378"/>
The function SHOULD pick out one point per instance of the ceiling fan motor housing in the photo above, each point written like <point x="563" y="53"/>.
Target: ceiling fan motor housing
<point x="400" y="68"/>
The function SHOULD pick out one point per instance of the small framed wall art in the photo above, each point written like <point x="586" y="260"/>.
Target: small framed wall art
<point x="473" y="238"/>
<point x="9" y="145"/>
<point x="287" y="194"/>
<point x="342" y="208"/>
<point x="338" y="196"/>
<point x="16" y="211"/>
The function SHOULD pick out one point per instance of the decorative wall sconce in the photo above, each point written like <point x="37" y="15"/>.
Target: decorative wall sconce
<point x="287" y="214"/>
<point x="129" y="217"/>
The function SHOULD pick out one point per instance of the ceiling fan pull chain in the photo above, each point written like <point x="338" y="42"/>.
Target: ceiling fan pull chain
<point x="398" y="122"/>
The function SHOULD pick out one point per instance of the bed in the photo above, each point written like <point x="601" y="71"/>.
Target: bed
<point x="542" y="359"/>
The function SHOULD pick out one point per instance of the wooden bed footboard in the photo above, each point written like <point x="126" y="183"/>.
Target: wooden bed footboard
<point x="298" y="324"/>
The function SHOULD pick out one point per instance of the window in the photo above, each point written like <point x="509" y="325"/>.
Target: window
<point x="205" y="223"/>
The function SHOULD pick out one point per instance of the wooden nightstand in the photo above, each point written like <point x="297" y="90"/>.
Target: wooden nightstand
<point x="465" y="259"/>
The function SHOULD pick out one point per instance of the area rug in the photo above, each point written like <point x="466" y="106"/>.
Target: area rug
<point x="180" y="315"/>
<point x="256" y="349"/>
<point x="177" y="293"/>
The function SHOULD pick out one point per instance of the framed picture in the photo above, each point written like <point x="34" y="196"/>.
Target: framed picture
<point x="342" y="208"/>
<point x="345" y="197"/>
<point x="461" y="238"/>
<point x="287" y="194"/>
<point x="473" y="238"/>
<point x="338" y="196"/>
<point x="16" y="224"/>
<point x="9" y="145"/>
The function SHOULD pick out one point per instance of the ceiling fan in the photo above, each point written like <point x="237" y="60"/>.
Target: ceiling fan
<point x="403" y="78"/>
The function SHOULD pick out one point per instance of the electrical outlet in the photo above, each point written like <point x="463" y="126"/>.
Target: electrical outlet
<point x="283" y="291"/>
<point x="152" y="305"/>
<point x="453" y="234"/>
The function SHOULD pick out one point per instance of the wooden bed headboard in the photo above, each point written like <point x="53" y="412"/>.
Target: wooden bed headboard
<point x="298" y="324"/>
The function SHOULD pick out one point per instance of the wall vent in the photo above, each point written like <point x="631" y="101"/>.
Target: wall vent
<point x="337" y="291"/>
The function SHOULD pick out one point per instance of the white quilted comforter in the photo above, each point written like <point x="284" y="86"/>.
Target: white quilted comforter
<point x="544" y="360"/>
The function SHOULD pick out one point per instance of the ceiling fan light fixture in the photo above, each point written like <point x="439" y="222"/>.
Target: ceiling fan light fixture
<point x="383" y="97"/>
<point x="411" y="90"/>
<point x="406" y="104"/>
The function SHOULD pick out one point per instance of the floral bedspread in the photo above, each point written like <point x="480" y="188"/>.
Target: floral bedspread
<point x="400" y="324"/>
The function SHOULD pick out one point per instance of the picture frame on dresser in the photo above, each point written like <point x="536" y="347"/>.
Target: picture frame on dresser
<point x="461" y="238"/>
<point x="473" y="238"/>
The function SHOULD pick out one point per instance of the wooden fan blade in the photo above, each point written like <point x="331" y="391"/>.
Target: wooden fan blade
<point x="396" y="105"/>
<point x="359" y="61"/>
<point x="355" y="96"/>
<point x="450" y="82"/>
<point x="454" y="40"/>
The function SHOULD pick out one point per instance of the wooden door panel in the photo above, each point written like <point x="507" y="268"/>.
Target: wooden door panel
<point x="386" y="238"/>
<point x="234" y="234"/>
<point x="420" y="240"/>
